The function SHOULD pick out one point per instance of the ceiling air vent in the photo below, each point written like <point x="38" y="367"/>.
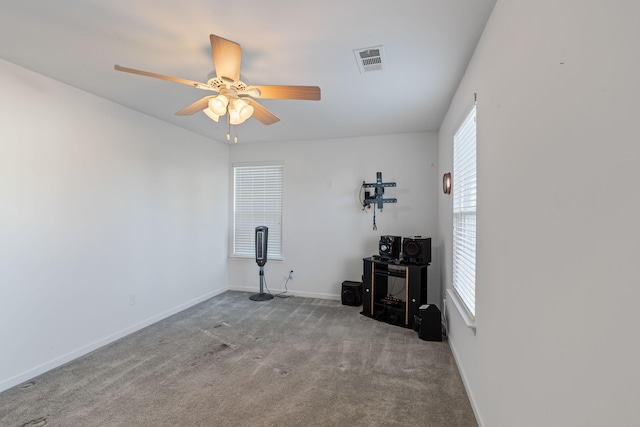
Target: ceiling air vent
<point x="370" y="58"/>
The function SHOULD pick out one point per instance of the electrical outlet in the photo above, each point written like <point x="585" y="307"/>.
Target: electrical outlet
<point x="133" y="299"/>
<point x="290" y="275"/>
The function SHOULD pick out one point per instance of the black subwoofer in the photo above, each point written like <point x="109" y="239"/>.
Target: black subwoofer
<point x="416" y="250"/>
<point x="351" y="293"/>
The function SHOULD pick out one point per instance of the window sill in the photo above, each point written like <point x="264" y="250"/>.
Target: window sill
<point x="468" y="319"/>
<point x="252" y="259"/>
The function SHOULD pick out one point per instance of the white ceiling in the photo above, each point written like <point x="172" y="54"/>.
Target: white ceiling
<point x="428" y="44"/>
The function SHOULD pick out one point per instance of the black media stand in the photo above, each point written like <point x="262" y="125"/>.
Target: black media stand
<point x="377" y="304"/>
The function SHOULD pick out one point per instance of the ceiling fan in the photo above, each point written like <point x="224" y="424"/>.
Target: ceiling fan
<point x="234" y="98"/>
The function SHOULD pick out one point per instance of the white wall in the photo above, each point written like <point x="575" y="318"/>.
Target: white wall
<point x="325" y="231"/>
<point x="557" y="273"/>
<point x="98" y="203"/>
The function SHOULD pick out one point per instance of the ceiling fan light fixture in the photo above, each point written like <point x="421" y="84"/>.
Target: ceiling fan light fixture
<point x="234" y="116"/>
<point x="244" y="109"/>
<point x="213" y="116"/>
<point x="219" y="104"/>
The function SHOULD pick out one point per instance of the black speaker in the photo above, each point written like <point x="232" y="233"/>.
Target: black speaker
<point x="417" y="275"/>
<point x="429" y="328"/>
<point x="416" y="250"/>
<point x="351" y="293"/>
<point x="389" y="247"/>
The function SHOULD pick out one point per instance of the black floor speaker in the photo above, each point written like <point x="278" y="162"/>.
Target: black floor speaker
<point x="352" y="293"/>
<point x="430" y="328"/>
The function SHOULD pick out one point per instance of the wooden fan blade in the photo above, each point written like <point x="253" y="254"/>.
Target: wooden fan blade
<point x="199" y="105"/>
<point x="227" y="56"/>
<point x="309" y="93"/>
<point x="163" y="77"/>
<point x="262" y="114"/>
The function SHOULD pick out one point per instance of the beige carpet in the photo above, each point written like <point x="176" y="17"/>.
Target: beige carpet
<point x="230" y="361"/>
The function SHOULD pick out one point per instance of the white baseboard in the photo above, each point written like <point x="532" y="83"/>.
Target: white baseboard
<point x="61" y="360"/>
<point x="466" y="386"/>
<point x="463" y="374"/>
<point x="302" y="294"/>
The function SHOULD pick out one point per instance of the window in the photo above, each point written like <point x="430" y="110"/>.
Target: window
<point x="257" y="200"/>
<point x="464" y="212"/>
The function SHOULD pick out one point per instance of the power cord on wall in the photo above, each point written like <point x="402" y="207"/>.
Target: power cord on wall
<point x="281" y="294"/>
<point x="445" y="327"/>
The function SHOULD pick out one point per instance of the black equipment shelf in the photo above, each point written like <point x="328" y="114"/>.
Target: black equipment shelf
<point x="375" y="300"/>
<point x="394" y="273"/>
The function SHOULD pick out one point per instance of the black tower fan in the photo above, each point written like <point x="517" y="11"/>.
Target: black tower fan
<point x="262" y="235"/>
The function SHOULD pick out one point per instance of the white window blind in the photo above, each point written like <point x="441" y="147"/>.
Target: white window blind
<point x="257" y="200"/>
<point x="464" y="211"/>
